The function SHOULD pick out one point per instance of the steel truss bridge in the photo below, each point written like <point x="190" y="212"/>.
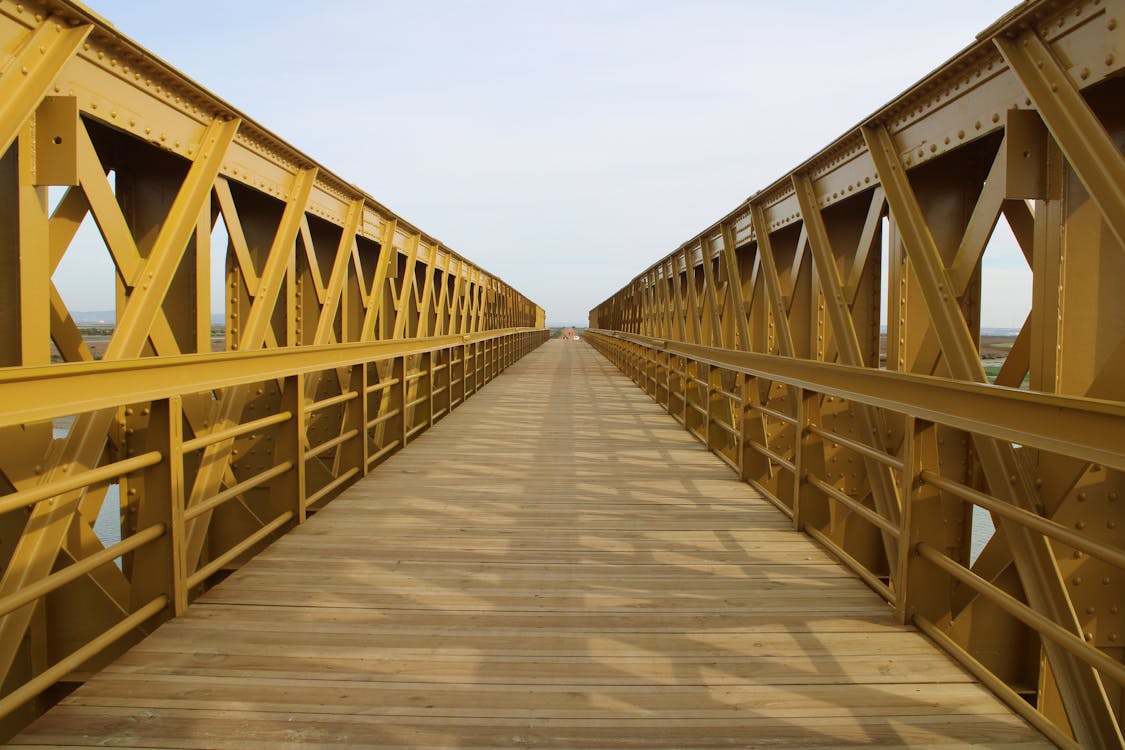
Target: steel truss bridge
<point x="559" y="563"/>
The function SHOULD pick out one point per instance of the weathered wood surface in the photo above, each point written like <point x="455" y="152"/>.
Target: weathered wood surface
<point x="557" y="564"/>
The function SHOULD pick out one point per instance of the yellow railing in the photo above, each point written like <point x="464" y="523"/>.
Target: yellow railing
<point x="130" y="483"/>
<point x="373" y="399"/>
<point x="779" y="450"/>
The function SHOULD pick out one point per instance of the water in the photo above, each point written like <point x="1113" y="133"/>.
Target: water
<point x="982" y="532"/>
<point x="107" y="527"/>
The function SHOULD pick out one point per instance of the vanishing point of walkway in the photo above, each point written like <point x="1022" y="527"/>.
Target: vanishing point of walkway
<point x="556" y="564"/>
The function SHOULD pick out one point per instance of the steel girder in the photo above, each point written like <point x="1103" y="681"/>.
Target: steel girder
<point x="1023" y="127"/>
<point x="382" y="330"/>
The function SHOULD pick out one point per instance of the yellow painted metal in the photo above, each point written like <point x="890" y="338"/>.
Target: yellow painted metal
<point x="1022" y="129"/>
<point x="214" y="448"/>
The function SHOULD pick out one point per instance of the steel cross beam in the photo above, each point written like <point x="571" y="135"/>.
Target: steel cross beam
<point x="873" y="428"/>
<point x="1007" y="471"/>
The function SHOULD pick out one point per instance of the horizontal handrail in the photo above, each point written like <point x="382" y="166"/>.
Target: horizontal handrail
<point x="851" y="563"/>
<point x="210" y="438"/>
<point x="853" y="504"/>
<point x="330" y="401"/>
<point x="194" y="511"/>
<point x="383" y="418"/>
<point x="38" y="394"/>
<point x="772" y="456"/>
<point x="858" y="447"/>
<point x="716" y="422"/>
<point x="328" y="445"/>
<point x="994" y="683"/>
<point x="774" y="499"/>
<point x="33" y="495"/>
<point x="1046" y="627"/>
<point x="779" y="416"/>
<point x="215" y="565"/>
<point x="76" y="570"/>
<point x="72" y="661"/>
<point x="337" y="482"/>
<point x="1070" y="425"/>
<point x="375" y="388"/>
<point x="1030" y="520"/>
<point x="732" y="396"/>
<point x="383" y="451"/>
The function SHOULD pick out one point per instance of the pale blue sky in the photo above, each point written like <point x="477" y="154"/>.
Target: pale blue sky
<point x="562" y="146"/>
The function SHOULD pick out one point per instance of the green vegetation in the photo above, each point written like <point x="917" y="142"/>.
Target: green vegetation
<point x="993" y="370"/>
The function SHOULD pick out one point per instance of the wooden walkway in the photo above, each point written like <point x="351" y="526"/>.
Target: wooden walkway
<point x="556" y="564"/>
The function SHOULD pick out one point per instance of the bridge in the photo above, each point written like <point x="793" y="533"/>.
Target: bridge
<point x="381" y="508"/>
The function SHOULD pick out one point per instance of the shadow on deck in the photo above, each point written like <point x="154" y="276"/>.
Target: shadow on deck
<point x="557" y="564"/>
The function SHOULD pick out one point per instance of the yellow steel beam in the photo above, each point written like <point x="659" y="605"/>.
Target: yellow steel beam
<point x="28" y="76"/>
<point x="772" y="282"/>
<point x="1091" y="151"/>
<point x="1007" y="471"/>
<point x="872" y="427"/>
<point x="1070" y="425"/>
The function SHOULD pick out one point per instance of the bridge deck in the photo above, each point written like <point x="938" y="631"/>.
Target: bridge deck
<point x="557" y="564"/>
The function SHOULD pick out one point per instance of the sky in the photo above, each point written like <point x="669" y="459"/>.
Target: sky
<point x="562" y="146"/>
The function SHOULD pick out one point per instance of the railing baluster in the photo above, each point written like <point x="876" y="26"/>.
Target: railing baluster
<point x="909" y="477"/>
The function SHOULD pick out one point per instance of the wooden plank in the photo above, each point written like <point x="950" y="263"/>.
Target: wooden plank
<point x="254" y="730"/>
<point x="558" y="564"/>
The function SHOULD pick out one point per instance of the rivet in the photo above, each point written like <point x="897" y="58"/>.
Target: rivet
<point x="1112" y="24"/>
<point x="1077" y="580"/>
<point x="995" y="117"/>
<point x="1080" y="525"/>
<point x="1081" y="496"/>
<point x="1109" y="59"/>
<point x="1090" y="610"/>
<point x="1084" y="73"/>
